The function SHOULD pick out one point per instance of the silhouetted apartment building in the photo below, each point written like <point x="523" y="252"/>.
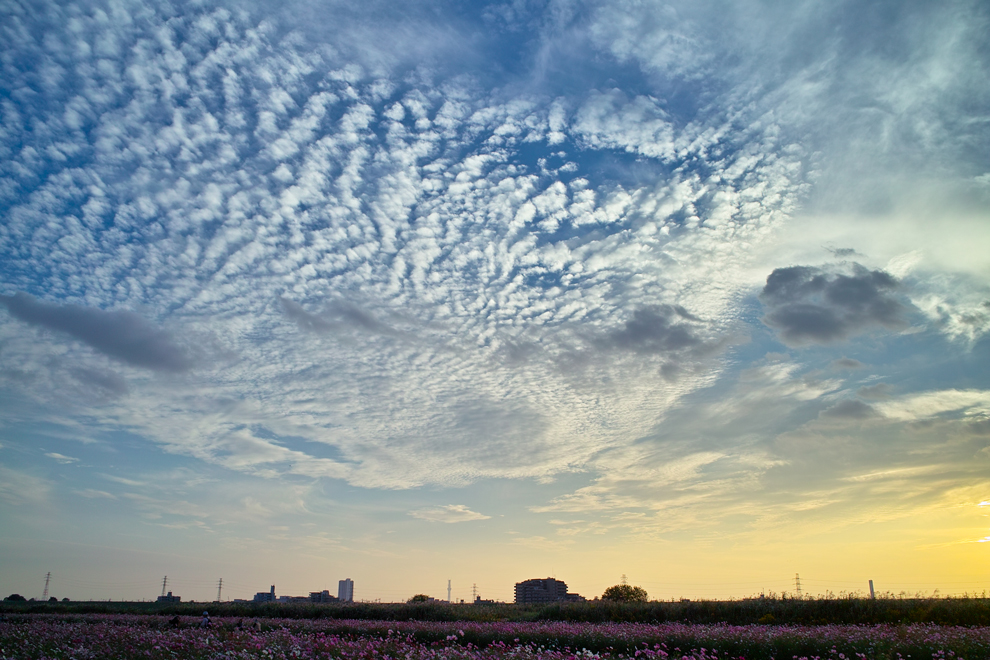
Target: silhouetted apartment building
<point x="169" y="598"/>
<point x="321" y="597"/>
<point x="547" y="590"/>
<point x="345" y="590"/>
<point x="265" y="596"/>
<point x="293" y="599"/>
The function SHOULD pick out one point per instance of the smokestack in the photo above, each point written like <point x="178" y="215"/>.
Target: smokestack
<point x="872" y="595"/>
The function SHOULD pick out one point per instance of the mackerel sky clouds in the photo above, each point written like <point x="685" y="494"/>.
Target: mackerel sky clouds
<point x="409" y="292"/>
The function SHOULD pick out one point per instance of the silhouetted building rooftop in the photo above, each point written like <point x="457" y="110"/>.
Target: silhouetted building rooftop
<point x="547" y="590"/>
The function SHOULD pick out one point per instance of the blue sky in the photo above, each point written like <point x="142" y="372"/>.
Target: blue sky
<point x="692" y="292"/>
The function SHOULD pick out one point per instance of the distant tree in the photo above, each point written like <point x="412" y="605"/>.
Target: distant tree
<point x="625" y="593"/>
<point x="53" y="599"/>
<point x="15" y="597"/>
<point x="419" y="598"/>
<point x="65" y="600"/>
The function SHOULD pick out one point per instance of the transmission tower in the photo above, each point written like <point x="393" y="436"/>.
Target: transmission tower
<point x="164" y="582"/>
<point x="219" y="589"/>
<point x="624" y="579"/>
<point x="474" y="591"/>
<point x="48" y="577"/>
<point x="797" y="584"/>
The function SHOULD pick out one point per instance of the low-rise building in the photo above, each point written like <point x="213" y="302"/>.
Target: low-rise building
<point x="293" y="599"/>
<point x="265" y="596"/>
<point x="169" y="598"/>
<point x="547" y="590"/>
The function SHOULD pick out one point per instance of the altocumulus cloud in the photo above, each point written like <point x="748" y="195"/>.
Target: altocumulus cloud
<point x="121" y="335"/>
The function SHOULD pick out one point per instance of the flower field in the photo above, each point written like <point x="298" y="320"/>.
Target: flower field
<point x="32" y="636"/>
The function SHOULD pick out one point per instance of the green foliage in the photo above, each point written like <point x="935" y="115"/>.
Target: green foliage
<point x="16" y="598"/>
<point x="625" y="593"/>
<point x="419" y="598"/>
<point x="776" y="611"/>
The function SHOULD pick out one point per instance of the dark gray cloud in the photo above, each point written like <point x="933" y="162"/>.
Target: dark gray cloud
<point x="878" y="392"/>
<point x="811" y="305"/>
<point x="121" y="335"/>
<point x="656" y="330"/>
<point x="850" y="409"/>
<point x="847" y="363"/>
<point x="17" y="376"/>
<point x="980" y="427"/>
<point x="338" y="316"/>
<point x="356" y="317"/>
<point x="670" y="332"/>
<point x="975" y="319"/>
<point x="109" y="382"/>
<point x="304" y="319"/>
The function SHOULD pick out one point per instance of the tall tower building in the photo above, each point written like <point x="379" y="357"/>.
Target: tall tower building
<point x="345" y="590"/>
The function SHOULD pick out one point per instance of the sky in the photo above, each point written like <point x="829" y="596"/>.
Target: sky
<point x="695" y="293"/>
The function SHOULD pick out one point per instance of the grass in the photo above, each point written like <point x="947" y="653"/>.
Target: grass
<point x="860" y="611"/>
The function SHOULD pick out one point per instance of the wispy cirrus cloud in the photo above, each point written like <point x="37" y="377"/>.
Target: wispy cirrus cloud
<point x="61" y="458"/>
<point x="449" y="513"/>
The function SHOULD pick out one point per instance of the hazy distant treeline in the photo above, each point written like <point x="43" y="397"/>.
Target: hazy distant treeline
<point x="943" y="611"/>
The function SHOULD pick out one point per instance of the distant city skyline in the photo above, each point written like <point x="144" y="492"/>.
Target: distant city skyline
<point x="698" y="293"/>
<point x="778" y="588"/>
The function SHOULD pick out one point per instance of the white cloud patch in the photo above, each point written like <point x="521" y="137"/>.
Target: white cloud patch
<point x="450" y="513"/>
<point x="93" y="494"/>
<point x="926" y="405"/>
<point x="61" y="458"/>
